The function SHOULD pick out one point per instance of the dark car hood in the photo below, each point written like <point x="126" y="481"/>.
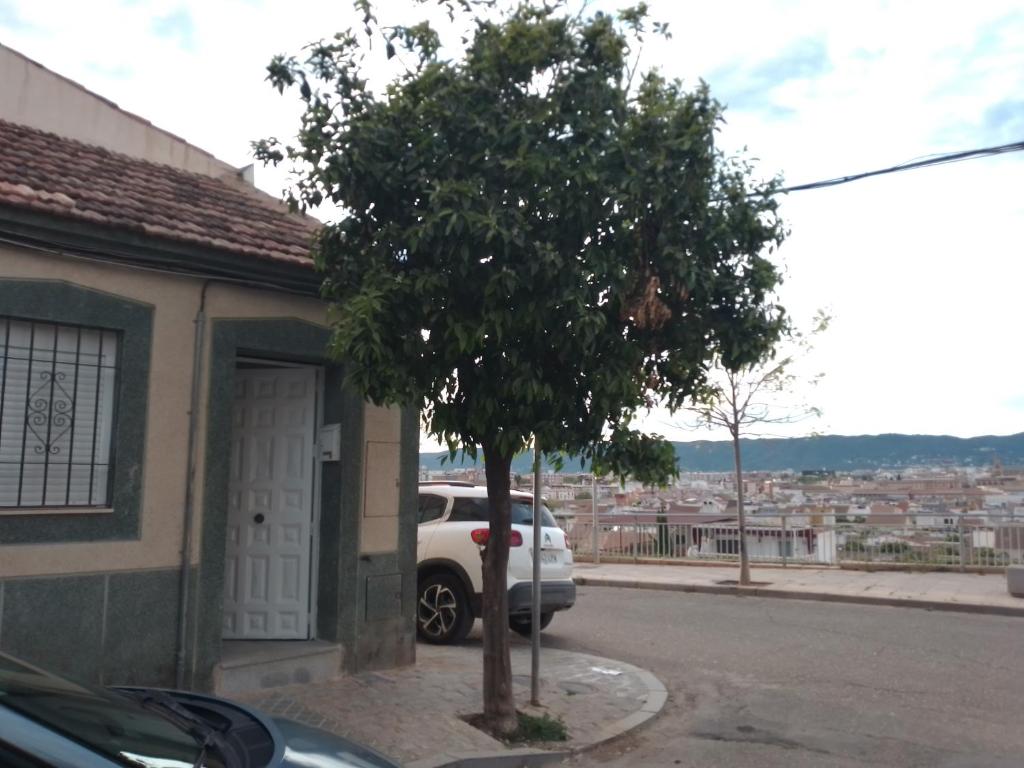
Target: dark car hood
<point x="307" y="747"/>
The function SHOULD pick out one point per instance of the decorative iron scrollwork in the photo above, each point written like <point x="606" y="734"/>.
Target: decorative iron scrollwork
<point x="50" y="413"/>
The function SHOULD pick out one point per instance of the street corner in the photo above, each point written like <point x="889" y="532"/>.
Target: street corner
<point x="598" y="699"/>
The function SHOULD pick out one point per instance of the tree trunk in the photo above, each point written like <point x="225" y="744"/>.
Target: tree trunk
<point x="741" y="514"/>
<point x="499" y="703"/>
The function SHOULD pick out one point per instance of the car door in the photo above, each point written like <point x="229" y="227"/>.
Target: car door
<point x="431" y="510"/>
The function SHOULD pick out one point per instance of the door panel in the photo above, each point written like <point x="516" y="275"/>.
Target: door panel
<point x="431" y="509"/>
<point x="270" y="505"/>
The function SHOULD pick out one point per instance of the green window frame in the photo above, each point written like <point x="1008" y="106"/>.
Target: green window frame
<point x="131" y="322"/>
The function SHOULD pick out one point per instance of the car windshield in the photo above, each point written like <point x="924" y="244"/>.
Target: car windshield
<point x="104" y="722"/>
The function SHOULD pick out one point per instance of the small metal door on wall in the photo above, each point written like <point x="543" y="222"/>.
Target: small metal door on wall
<point x="270" y="505"/>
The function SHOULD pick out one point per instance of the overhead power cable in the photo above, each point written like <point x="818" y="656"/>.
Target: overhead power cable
<point x="950" y="157"/>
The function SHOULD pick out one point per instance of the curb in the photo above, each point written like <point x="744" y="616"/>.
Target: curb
<point x="525" y="757"/>
<point x="828" y="597"/>
<point x="657" y="696"/>
<point x="508" y="758"/>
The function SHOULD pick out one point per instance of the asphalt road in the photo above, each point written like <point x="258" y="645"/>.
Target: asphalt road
<point x="768" y="682"/>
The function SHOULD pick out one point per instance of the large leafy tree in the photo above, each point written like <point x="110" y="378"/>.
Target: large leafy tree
<point x="532" y="243"/>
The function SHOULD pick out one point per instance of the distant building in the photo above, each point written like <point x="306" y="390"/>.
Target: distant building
<point x="765" y="542"/>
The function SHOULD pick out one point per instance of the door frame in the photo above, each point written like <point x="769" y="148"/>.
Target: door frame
<point x="268" y="364"/>
<point x="286" y="340"/>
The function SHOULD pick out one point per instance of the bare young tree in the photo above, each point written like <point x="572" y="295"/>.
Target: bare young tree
<point x="747" y="398"/>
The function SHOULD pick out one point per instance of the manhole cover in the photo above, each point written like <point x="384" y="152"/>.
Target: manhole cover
<point x="735" y="583"/>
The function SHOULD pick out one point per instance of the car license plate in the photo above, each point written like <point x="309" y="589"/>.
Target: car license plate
<point x="548" y="558"/>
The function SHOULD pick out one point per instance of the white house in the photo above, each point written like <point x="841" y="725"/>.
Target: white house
<point x="765" y="542"/>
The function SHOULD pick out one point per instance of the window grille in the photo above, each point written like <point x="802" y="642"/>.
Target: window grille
<point x="57" y="414"/>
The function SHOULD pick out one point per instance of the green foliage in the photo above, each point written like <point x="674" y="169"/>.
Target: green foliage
<point x="989" y="556"/>
<point x="533" y="728"/>
<point x="528" y="245"/>
<point x="894" y="548"/>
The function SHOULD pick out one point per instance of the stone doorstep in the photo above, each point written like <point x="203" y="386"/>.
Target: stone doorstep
<point x="249" y="666"/>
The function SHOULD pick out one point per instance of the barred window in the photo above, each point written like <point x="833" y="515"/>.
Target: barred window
<point x="57" y="413"/>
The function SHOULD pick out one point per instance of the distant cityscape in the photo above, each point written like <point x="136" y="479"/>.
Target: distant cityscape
<point x="927" y="516"/>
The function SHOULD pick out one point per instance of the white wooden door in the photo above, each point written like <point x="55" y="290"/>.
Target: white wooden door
<point x="270" y="505"/>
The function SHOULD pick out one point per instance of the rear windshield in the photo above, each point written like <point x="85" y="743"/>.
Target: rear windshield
<point x="104" y="722"/>
<point x="475" y="511"/>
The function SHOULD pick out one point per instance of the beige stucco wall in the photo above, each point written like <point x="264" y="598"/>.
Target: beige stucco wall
<point x="378" y="529"/>
<point x="32" y="95"/>
<point x="175" y="301"/>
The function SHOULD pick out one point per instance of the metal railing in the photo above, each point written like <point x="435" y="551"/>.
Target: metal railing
<point x="926" y="540"/>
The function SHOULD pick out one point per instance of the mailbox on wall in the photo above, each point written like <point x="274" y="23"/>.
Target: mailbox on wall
<point x="330" y="442"/>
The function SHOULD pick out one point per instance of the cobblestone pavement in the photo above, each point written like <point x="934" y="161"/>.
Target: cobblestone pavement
<point x="414" y="714"/>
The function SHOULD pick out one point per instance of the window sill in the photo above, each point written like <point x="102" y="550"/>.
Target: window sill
<point x="19" y="511"/>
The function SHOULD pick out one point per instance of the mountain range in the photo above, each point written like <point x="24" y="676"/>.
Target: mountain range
<point x="824" y="452"/>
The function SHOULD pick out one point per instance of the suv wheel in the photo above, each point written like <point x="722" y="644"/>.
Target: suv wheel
<point x="523" y="625"/>
<point x="442" y="610"/>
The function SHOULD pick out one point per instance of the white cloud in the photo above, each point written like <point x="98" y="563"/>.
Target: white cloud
<point x="922" y="270"/>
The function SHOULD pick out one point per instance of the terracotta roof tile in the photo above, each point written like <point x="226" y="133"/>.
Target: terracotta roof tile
<point x="47" y="173"/>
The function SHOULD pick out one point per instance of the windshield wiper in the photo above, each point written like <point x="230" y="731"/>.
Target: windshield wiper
<point x="208" y="741"/>
<point x="205" y="735"/>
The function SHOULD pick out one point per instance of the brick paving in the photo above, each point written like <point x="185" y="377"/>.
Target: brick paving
<point x="414" y="714"/>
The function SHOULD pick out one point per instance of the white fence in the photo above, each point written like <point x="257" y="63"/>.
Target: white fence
<point x="918" y="540"/>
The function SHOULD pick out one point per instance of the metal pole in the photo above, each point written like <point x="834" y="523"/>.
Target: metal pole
<point x="181" y="649"/>
<point x="784" y="518"/>
<point x="593" y="518"/>
<point x="962" y="548"/>
<point x="535" y="590"/>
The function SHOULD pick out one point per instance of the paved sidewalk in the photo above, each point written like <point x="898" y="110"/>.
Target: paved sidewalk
<point x="414" y="714"/>
<point x="969" y="592"/>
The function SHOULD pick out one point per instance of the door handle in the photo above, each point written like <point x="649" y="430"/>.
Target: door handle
<point x="258" y="518"/>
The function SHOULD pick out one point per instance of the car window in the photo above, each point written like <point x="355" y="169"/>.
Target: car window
<point x="112" y="725"/>
<point x="12" y="758"/>
<point x="468" y="511"/>
<point x="431" y="507"/>
<point x="522" y="513"/>
<point x="475" y="510"/>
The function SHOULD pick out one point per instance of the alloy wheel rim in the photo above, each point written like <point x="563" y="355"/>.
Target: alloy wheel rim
<point x="438" y="610"/>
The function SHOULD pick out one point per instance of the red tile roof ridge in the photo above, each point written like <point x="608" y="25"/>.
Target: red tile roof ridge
<point x="45" y="172"/>
<point x="275" y="204"/>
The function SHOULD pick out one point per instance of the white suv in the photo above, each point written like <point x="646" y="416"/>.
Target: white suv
<point x="453" y="521"/>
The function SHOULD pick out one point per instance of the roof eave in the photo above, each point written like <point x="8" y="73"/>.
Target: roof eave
<point x="105" y="243"/>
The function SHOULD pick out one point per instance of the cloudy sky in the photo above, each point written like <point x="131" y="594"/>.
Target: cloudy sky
<point x="922" y="271"/>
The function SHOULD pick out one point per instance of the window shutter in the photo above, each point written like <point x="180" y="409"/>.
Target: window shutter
<point x="57" y="410"/>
